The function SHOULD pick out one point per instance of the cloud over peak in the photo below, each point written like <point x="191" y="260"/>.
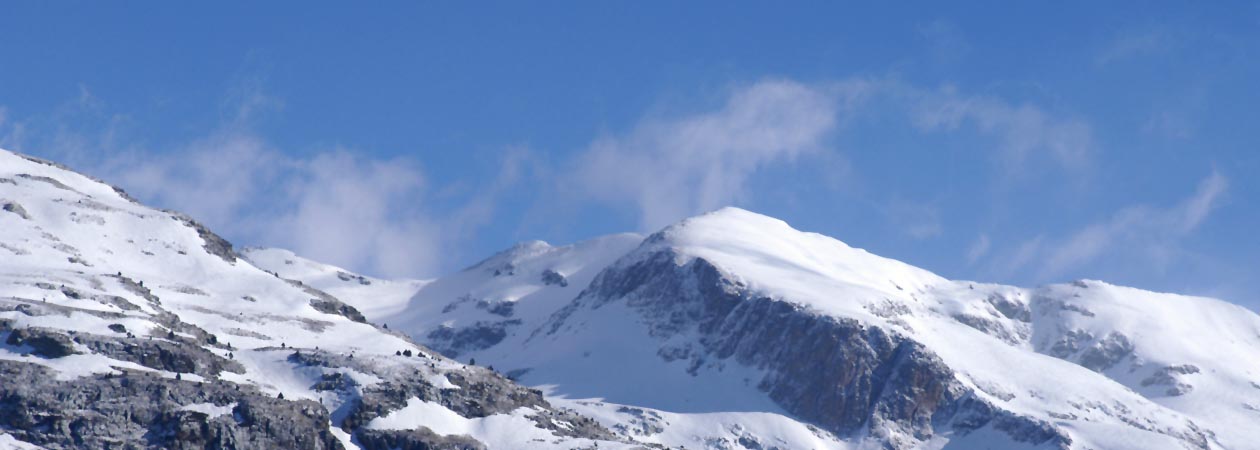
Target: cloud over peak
<point x="672" y="168"/>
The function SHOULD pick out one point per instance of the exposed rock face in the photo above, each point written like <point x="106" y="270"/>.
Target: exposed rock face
<point x="145" y="409"/>
<point x="161" y="355"/>
<point x="1169" y="376"/>
<point x="550" y="277"/>
<point x="326" y="303"/>
<point x="45" y="343"/>
<point x="14" y="208"/>
<point x="214" y="244"/>
<point x="843" y="375"/>
<point x="421" y="439"/>
<point x="476" y="393"/>
<point x="500" y="308"/>
<point x="142" y="410"/>
<point x="343" y="276"/>
<point x="480" y="392"/>
<point x="1107" y="352"/>
<point x="454" y="342"/>
<point x="53" y="181"/>
<point x="334" y="306"/>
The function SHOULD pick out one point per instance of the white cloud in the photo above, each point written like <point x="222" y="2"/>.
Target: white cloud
<point x="210" y="179"/>
<point x="665" y="168"/>
<point x="1022" y="255"/>
<point x="1170" y="123"/>
<point x="917" y="220"/>
<point x="1153" y="232"/>
<point x="945" y="41"/>
<point x="978" y="249"/>
<point x="357" y="212"/>
<point x="1133" y="43"/>
<point x="1139" y="234"/>
<point x="1025" y="131"/>
<point x="517" y="165"/>
<point x="1207" y="198"/>
<point x="672" y="168"/>
<point x="335" y="206"/>
<point x="353" y="211"/>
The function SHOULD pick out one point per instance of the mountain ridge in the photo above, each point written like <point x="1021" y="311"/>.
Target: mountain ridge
<point x="728" y="330"/>
<point x="1080" y="331"/>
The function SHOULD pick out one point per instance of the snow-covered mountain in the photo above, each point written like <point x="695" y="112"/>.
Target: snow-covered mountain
<point x="123" y="326"/>
<point x="733" y="330"/>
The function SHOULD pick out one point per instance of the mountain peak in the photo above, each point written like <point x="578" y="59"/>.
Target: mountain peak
<point x="766" y="251"/>
<point x="728" y="216"/>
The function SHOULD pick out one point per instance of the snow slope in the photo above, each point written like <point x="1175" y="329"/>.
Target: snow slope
<point x="649" y="340"/>
<point x="375" y="297"/>
<point x="89" y="277"/>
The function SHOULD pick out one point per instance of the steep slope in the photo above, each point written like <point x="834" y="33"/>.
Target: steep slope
<point x="377" y="297"/>
<point x="126" y="326"/>
<point x="502" y="299"/>
<point x="733" y="330"/>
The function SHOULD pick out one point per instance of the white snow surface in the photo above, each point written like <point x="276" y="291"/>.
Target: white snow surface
<point x="210" y="409"/>
<point x="1114" y="367"/>
<point x="381" y="298"/>
<point x="9" y="443"/>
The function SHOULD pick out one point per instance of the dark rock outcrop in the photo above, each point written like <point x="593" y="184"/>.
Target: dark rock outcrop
<point x="1107" y="352"/>
<point x="14" y="208"/>
<point x="42" y="342"/>
<point x="160" y="354"/>
<point x="142" y="410"/>
<point x="52" y="181"/>
<point x="421" y="439"/>
<point x="454" y="342"/>
<point x="1169" y="376"/>
<point x="214" y="244"/>
<point x="478" y="393"/>
<point x="551" y="277"/>
<point x="326" y="303"/>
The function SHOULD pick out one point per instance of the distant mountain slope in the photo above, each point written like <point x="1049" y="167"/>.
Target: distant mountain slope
<point x="123" y="326"/>
<point x="381" y="298"/>
<point x="733" y="330"/>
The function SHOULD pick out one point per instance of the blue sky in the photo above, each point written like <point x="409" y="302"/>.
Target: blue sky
<point x="1011" y="143"/>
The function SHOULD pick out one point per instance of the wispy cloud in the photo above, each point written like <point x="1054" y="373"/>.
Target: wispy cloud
<point x="1139" y="234"/>
<point x="211" y="178"/>
<point x="917" y="220"/>
<point x="334" y="205"/>
<point x="1170" y="123"/>
<point x="671" y="168"/>
<point x="359" y="212"/>
<point x="978" y="249"/>
<point x="1133" y="43"/>
<point x="945" y="41"/>
<point x="664" y="167"/>
<point x="1024" y="131"/>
